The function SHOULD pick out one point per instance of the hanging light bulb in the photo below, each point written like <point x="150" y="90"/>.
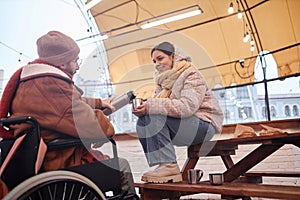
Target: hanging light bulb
<point x="246" y="37"/>
<point x="252" y="48"/>
<point x="230" y="9"/>
<point x="20" y="63"/>
<point x="240" y="14"/>
<point x="19" y="60"/>
<point x="252" y="42"/>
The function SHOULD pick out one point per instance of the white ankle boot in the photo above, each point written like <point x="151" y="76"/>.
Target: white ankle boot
<point x="164" y="173"/>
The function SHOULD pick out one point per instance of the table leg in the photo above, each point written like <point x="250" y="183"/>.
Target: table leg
<point x="227" y="160"/>
<point x="252" y="159"/>
<point x="297" y="143"/>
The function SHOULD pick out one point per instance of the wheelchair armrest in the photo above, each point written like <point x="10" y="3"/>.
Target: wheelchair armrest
<point x="14" y="120"/>
<point x="71" y="142"/>
<point x="17" y="120"/>
<point x="6" y="122"/>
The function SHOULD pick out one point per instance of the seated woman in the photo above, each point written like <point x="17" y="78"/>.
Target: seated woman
<point x="183" y="111"/>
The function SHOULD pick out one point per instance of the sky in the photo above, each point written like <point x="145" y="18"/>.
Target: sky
<point x="24" y="21"/>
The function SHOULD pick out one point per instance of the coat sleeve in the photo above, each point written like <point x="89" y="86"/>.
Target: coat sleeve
<point x="85" y="121"/>
<point x="93" y="102"/>
<point x="187" y="95"/>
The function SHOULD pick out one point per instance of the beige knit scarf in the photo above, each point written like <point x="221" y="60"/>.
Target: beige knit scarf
<point x="167" y="78"/>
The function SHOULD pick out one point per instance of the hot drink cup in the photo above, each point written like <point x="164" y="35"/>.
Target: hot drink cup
<point x="216" y="179"/>
<point x="136" y="103"/>
<point x="194" y="176"/>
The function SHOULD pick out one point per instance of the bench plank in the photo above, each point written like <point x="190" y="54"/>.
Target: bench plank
<point x="232" y="189"/>
<point x="274" y="173"/>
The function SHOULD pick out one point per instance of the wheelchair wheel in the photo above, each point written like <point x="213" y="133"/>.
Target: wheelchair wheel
<point x="56" y="185"/>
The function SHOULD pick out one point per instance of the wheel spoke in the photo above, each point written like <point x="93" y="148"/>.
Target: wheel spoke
<point x="50" y="194"/>
<point x="84" y="196"/>
<point x="71" y="192"/>
<point x="57" y="187"/>
<point x="79" y="195"/>
<point x="64" y="192"/>
<point x="40" y="195"/>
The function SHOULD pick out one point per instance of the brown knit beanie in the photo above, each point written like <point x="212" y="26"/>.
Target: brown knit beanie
<point x="57" y="48"/>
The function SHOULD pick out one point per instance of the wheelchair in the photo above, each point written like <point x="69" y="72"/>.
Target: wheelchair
<point x="97" y="180"/>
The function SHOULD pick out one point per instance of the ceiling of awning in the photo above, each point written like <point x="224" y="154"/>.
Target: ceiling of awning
<point x="214" y="39"/>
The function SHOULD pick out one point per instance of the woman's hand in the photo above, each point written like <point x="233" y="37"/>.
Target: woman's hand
<point x="140" y="110"/>
<point x="106" y="103"/>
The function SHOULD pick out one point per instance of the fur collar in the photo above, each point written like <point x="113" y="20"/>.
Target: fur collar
<point x="31" y="70"/>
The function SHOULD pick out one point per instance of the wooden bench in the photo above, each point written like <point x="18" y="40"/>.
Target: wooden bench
<point x="256" y="176"/>
<point x="151" y="191"/>
<point x="292" y="174"/>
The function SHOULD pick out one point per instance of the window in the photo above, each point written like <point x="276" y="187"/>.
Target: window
<point x="245" y="112"/>
<point x="273" y="111"/>
<point x="287" y="111"/>
<point x="295" y="110"/>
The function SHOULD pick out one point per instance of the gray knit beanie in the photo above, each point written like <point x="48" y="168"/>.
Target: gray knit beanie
<point x="57" y="48"/>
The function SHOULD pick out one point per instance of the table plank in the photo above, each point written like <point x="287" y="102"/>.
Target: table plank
<point x="233" y="189"/>
<point x="293" y="174"/>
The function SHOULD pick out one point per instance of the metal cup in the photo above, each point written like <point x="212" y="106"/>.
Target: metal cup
<point x="216" y="179"/>
<point x="194" y="176"/>
<point x="136" y="103"/>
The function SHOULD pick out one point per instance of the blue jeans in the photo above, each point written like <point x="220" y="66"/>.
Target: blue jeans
<point x="158" y="134"/>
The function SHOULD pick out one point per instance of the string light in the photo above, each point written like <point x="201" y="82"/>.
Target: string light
<point x="246" y="37"/>
<point x="247" y="31"/>
<point x="252" y="48"/>
<point x="230" y="9"/>
<point x="20" y="57"/>
<point x="240" y="14"/>
<point x="20" y="53"/>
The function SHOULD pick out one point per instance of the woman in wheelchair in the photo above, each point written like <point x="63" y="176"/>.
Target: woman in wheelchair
<point x="44" y="90"/>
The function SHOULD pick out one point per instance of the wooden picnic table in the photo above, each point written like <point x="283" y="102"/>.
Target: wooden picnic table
<point x="235" y="173"/>
<point x="227" y="147"/>
<point x="231" y="188"/>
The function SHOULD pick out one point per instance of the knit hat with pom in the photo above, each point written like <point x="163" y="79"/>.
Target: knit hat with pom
<point x="57" y="48"/>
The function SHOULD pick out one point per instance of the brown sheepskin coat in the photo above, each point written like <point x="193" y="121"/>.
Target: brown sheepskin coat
<point x="49" y="95"/>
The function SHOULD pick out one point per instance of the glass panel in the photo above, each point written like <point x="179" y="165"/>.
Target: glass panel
<point x="240" y="104"/>
<point x="284" y="98"/>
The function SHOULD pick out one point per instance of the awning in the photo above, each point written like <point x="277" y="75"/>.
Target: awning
<point x="214" y="39"/>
